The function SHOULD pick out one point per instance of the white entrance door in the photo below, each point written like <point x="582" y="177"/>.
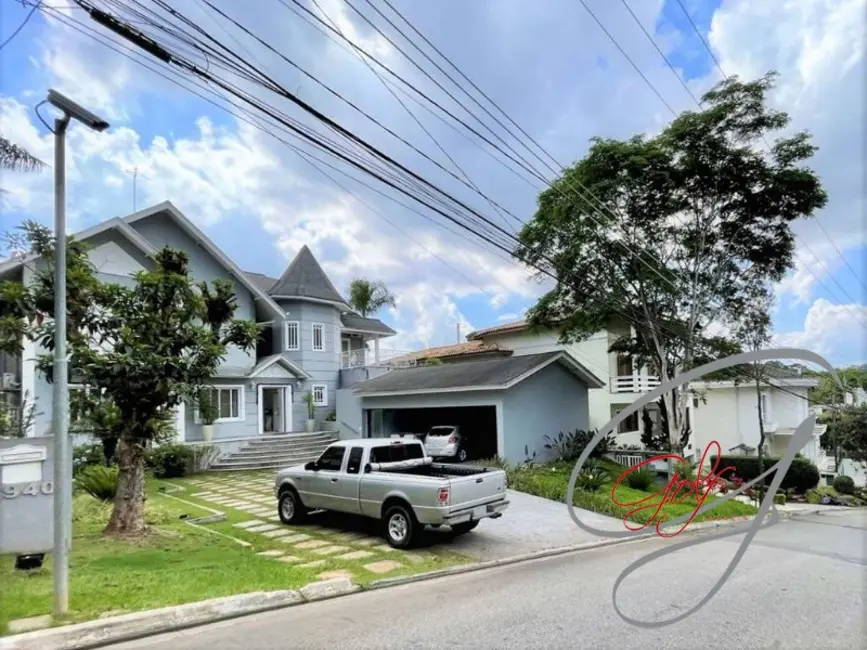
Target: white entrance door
<point x="275" y="409"/>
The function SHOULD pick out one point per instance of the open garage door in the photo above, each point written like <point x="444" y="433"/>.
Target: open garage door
<point x="477" y="424"/>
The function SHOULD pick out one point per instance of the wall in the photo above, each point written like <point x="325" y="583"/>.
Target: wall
<point x="591" y="353"/>
<point x="551" y="401"/>
<point x="161" y="231"/>
<point x="352" y="376"/>
<point x="323" y="366"/>
<point x="248" y="427"/>
<point x="349" y="414"/>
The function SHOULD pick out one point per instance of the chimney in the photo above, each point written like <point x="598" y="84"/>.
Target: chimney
<point x="458" y="329"/>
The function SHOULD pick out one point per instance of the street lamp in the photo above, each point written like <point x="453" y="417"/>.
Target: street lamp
<point x="60" y="392"/>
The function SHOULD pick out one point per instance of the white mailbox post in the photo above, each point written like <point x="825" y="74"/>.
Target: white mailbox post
<point x="26" y="496"/>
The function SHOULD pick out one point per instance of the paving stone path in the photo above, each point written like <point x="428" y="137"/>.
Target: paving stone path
<point x="306" y="546"/>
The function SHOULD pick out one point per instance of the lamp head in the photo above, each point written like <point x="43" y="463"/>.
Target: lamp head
<point x="76" y="112"/>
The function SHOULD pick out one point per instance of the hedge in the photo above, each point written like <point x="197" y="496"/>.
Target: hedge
<point x="801" y="476"/>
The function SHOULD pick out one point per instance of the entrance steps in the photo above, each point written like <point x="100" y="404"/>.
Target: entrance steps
<point x="275" y="452"/>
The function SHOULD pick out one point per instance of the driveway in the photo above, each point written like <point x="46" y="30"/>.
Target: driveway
<point x="530" y="524"/>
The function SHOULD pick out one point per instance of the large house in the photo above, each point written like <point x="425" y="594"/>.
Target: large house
<point x="724" y="412"/>
<point x="310" y="334"/>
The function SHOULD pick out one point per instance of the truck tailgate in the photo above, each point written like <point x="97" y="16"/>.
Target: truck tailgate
<point x="476" y="489"/>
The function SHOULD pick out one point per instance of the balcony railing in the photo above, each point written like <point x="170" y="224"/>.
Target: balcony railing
<point x="365" y="358"/>
<point x="634" y="383"/>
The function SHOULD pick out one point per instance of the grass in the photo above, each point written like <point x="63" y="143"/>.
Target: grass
<point x="552" y="481"/>
<point x="175" y="564"/>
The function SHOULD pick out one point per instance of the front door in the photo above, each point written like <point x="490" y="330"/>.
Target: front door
<point x="275" y="414"/>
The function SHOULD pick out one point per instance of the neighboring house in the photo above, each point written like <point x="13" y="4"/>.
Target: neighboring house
<point x="506" y="405"/>
<point x="310" y="334"/>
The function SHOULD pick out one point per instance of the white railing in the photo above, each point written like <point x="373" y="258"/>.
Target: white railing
<point x="365" y="358"/>
<point x="634" y="383"/>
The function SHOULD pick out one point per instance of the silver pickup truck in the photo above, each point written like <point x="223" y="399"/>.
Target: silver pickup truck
<point x="395" y="481"/>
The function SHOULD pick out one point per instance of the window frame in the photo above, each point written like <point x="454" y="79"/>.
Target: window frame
<point x="297" y="346"/>
<point x="321" y="327"/>
<point x="342" y="459"/>
<point x="241" y="405"/>
<point x="324" y="388"/>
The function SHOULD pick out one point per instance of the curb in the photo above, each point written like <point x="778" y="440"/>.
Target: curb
<point x="129" y="627"/>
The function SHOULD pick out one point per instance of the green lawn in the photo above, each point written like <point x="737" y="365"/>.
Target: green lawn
<point x="175" y="564"/>
<point x="552" y="481"/>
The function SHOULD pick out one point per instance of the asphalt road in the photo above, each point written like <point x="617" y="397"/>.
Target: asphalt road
<point x="802" y="584"/>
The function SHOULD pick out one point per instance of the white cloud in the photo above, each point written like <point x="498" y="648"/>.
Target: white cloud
<point x="818" y="48"/>
<point x="834" y="331"/>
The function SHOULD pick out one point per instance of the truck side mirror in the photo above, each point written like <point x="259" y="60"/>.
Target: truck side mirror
<point x="367" y="468"/>
<point x="311" y="466"/>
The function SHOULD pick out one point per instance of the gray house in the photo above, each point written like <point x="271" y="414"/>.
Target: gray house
<point x="505" y="404"/>
<point x="310" y="333"/>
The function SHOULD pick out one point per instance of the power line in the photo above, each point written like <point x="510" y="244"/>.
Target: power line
<point x="21" y="26"/>
<point x="701" y="37"/>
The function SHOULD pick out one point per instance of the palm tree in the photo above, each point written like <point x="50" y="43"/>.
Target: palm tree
<point x="15" y="158"/>
<point x="368" y="297"/>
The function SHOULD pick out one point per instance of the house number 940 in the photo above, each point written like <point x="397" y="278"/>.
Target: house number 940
<point x="26" y="489"/>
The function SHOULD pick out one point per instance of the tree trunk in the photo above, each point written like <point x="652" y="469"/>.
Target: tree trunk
<point x="761" y="430"/>
<point x="127" y="517"/>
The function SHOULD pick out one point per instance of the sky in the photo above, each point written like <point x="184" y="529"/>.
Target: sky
<point x="548" y="65"/>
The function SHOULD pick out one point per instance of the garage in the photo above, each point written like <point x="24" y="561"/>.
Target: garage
<point x="505" y="406"/>
<point x="477" y="425"/>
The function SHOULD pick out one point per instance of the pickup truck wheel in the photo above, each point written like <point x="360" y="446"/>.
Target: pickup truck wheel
<point x="400" y="527"/>
<point x="465" y="527"/>
<point x="290" y="508"/>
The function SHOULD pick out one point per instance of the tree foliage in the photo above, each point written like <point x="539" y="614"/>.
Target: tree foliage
<point x="140" y="350"/>
<point x="685" y="230"/>
<point x="368" y="296"/>
<point x="15" y="158"/>
<point x="847" y="430"/>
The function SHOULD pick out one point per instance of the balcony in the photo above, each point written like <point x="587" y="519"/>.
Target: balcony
<point x="366" y="358"/>
<point x="633" y="383"/>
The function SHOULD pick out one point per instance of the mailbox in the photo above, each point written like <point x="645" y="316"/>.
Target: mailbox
<point x="26" y="495"/>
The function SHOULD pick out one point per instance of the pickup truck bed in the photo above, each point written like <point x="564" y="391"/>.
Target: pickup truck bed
<point x="405" y="494"/>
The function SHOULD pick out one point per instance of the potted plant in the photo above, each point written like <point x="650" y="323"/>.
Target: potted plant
<point x="207" y="413"/>
<point x="311" y="411"/>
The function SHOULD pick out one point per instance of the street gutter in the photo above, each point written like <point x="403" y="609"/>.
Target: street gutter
<point x="129" y="627"/>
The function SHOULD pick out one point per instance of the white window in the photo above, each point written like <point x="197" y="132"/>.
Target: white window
<point x="318" y="337"/>
<point x="766" y="413"/>
<point x="292" y="335"/>
<point x="228" y="403"/>
<point x="320" y="395"/>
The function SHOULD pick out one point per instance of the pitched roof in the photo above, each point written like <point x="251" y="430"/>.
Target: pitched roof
<point x="489" y="374"/>
<point x="304" y="278"/>
<point x="264" y="282"/>
<point x="284" y="360"/>
<point x="469" y="348"/>
<point x="362" y="324"/>
<point x="498" y="329"/>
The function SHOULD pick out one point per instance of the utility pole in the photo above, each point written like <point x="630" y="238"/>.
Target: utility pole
<point x="60" y="379"/>
<point x="134" y="179"/>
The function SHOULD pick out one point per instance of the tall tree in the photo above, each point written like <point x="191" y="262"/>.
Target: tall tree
<point x="368" y="297"/>
<point x="685" y="229"/>
<point x="754" y="332"/>
<point x="846" y="435"/>
<point x="140" y="350"/>
<point x="15" y="158"/>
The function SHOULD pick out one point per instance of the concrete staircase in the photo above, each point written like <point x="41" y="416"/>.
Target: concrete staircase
<point x="275" y="452"/>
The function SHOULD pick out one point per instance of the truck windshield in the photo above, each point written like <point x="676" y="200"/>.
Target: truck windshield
<point x="441" y="431"/>
<point x="395" y="453"/>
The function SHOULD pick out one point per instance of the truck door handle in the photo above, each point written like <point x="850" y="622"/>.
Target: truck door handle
<point x="334" y="480"/>
<point x="479" y="480"/>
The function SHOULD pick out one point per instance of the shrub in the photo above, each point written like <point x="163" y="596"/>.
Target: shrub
<point x="802" y="475"/>
<point x="844" y="485"/>
<point x="202" y="457"/>
<point x="87" y="456"/>
<point x="780" y="499"/>
<point x="641" y="479"/>
<point x="98" y="481"/>
<point x="169" y="461"/>
<point x="570" y="445"/>
<point x="685" y="470"/>
<point x="813" y="497"/>
<point x="591" y="479"/>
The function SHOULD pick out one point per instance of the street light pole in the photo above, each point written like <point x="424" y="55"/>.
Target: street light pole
<point x="60" y="375"/>
<point x="60" y="403"/>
